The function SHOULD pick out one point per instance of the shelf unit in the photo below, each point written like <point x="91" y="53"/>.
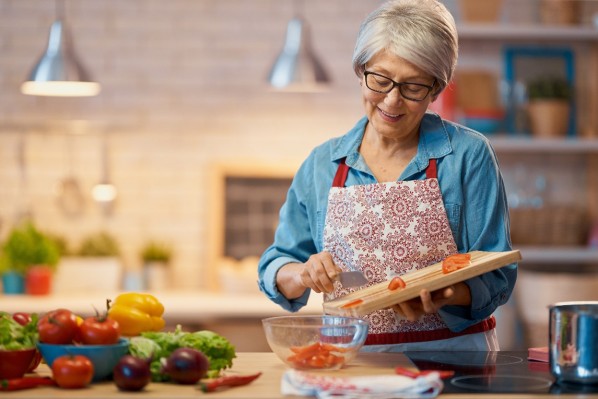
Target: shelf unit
<point x="584" y="145"/>
<point x="559" y="255"/>
<point x="517" y="143"/>
<point x="527" y="32"/>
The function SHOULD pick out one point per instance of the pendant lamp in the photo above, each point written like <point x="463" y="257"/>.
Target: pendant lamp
<point x="297" y="68"/>
<point x="59" y="71"/>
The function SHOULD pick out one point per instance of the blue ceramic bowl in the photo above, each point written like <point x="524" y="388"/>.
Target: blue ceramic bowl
<point x="103" y="357"/>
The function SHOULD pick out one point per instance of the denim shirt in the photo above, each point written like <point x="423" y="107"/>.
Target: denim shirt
<point x="472" y="190"/>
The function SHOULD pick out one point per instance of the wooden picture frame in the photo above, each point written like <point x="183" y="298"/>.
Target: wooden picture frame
<point x="521" y="64"/>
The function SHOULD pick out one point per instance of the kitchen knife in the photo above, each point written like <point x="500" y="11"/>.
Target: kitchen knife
<point x="351" y="279"/>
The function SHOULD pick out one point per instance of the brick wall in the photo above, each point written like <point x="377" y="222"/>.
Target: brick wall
<point x="183" y="88"/>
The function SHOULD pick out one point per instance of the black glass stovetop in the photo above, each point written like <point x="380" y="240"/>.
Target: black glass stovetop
<point x="495" y="372"/>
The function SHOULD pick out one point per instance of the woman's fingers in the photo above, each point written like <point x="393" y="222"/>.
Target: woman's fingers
<point x="427" y="303"/>
<point x="408" y="311"/>
<point x="319" y="272"/>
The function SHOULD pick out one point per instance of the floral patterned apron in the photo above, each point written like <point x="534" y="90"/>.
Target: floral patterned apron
<point x="387" y="230"/>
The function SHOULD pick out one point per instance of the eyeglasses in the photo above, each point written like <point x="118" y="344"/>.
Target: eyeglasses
<point x="410" y="91"/>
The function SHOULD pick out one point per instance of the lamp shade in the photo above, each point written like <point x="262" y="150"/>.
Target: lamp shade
<point x="297" y="68"/>
<point x="59" y="72"/>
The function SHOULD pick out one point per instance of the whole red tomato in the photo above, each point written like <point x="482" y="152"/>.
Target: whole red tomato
<point x="99" y="330"/>
<point x="58" y="327"/>
<point x="21" y="317"/>
<point x="72" y="371"/>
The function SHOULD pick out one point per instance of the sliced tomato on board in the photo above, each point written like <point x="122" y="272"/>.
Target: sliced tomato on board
<point x="455" y="262"/>
<point x="396" y="283"/>
<point x="352" y="303"/>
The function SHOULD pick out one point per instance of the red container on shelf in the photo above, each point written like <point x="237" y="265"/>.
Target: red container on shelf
<point x="38" y="280"/>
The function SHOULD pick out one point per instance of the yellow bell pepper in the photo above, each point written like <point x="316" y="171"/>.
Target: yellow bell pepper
<point x="136" y="313"/>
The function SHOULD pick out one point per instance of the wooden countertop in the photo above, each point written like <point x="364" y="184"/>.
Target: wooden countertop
<point x="265" y="387"/>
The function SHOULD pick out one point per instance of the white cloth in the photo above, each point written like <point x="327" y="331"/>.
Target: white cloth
<point x="301" y="383"/>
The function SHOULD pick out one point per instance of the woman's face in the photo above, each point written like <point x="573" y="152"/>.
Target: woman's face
<point x="391" y="115"/>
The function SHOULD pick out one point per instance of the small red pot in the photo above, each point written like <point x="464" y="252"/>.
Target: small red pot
<point x="38" y="280"/>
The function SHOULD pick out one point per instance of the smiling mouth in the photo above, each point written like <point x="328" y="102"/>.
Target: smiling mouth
<point x="387" y="115"/>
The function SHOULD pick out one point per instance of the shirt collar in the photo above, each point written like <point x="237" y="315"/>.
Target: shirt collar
<point x="434" y="142"/>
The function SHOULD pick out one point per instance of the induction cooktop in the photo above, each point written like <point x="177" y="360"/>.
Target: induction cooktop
<point x="495" y="372"/>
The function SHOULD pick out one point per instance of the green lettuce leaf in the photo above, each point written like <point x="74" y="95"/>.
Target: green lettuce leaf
<point x="14" y="336"/>
<point x="159" y="345"/>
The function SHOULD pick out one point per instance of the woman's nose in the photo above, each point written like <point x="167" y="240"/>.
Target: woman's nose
<point x="393" y="96"/>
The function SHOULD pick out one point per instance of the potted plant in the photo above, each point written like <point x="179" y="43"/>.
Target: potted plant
<point x="27" y="261"/>
<point x="549" y="106"/>
<point x="94" y="266"/>
<point x="156" y="257"/>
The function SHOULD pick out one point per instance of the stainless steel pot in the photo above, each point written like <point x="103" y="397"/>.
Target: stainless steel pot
<point x="573" y="338"/>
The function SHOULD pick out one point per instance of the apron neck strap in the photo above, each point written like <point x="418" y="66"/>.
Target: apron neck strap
<point x="431" y="170"/>
<point x="343" y="170"/>
<point x="341" y="174"/>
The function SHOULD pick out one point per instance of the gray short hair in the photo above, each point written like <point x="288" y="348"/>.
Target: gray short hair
<point x="422" y="32"/>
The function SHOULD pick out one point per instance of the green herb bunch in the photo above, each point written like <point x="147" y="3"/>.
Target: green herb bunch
<point x="549" y="87"/>
<point x="99" y="244"/>
<point x="156" y="252"/>
<point x="26" y="246"/>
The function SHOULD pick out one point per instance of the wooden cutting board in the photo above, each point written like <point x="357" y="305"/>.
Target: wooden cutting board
<point x="378" y="296"/>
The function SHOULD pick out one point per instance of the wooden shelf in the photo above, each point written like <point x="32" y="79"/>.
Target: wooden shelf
<point x="559" y="255"/>
<point x="527" y="32"/>
<point x="504" y="142"/>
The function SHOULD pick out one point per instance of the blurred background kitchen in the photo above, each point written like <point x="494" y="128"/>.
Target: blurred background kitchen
<point x="185" y="154"/>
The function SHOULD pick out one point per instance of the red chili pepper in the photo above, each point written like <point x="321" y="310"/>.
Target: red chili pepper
<point x="16" y="384"/>
<point x="414" y="374"/>
<point x="227" y="382"/>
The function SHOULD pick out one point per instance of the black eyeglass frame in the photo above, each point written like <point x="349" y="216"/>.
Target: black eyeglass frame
<point x="399" y="85"/>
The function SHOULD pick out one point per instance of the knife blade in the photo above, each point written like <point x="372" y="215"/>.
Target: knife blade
<point x="351" y="279"/>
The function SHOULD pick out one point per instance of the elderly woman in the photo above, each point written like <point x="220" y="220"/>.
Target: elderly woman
<point x="401" y="190"/>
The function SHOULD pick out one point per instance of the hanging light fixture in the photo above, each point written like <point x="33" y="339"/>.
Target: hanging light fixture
<point x="59" y="71"/>
<point x="297" y="68"/>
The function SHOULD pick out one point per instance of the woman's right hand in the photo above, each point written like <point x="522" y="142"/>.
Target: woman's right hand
<point x="318" y="274"/>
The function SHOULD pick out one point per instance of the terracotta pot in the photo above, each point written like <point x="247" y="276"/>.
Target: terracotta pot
<point x="38" y="280"/>
<point x="548" y="118"/>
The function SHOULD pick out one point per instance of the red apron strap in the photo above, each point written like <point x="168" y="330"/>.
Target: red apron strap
<point x="341" y="174"/>
<point x="423" y="336"/>
<point x="431" y="171"/>
<point x="343" y="170"/>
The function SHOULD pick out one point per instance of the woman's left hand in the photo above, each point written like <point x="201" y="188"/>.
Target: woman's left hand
<point x="430" y="302"/>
